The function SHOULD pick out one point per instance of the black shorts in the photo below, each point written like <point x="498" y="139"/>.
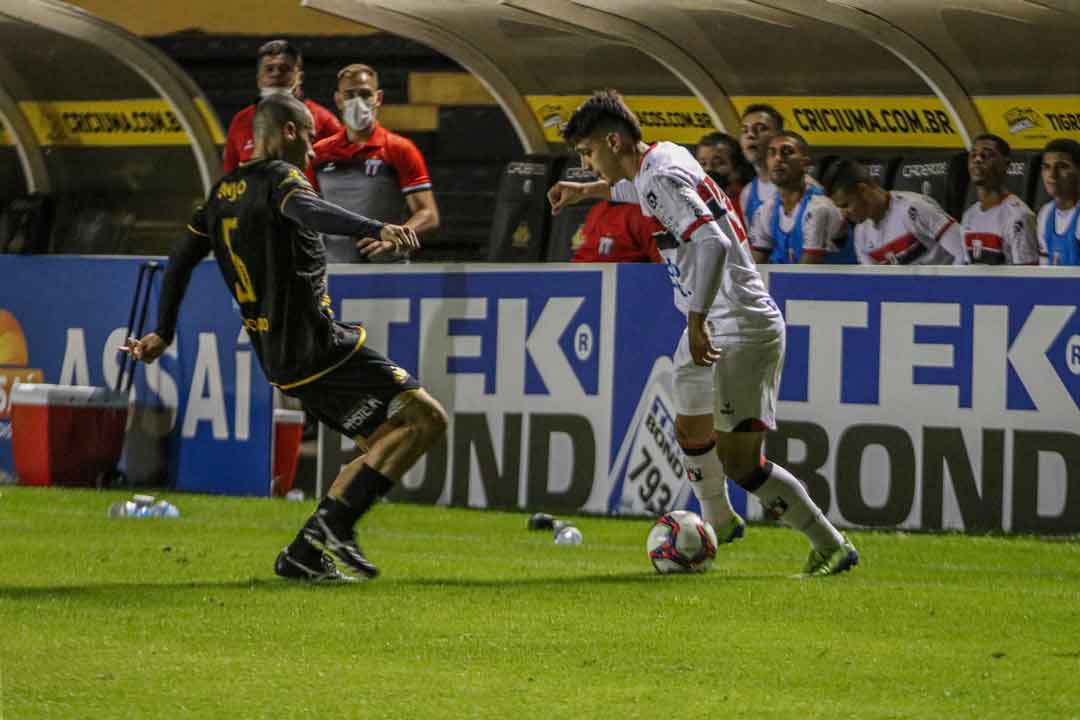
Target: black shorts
<point x="354" y="398"/>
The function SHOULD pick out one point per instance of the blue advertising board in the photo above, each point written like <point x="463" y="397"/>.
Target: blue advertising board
<point x="203" y="414"/>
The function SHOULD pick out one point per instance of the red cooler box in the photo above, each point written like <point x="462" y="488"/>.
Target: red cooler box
<point x="288" y="432"/>
<point x="66" y="434"/>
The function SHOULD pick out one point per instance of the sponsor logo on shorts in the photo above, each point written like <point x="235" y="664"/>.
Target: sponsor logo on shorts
<point x="361" y="413"/>
<point x="726" y="409"/>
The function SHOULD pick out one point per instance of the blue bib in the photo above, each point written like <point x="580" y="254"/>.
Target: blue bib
<point x="1062" y="249"/>
<point x="753" y="202"/>
<point x="788" y="246"/>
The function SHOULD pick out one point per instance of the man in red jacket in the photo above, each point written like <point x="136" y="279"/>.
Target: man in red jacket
<point x="280" y="70"/>
<point x="617" y="232"/>
<point x="366" y="168"/>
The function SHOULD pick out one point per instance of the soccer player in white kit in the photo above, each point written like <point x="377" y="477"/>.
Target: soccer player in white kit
<point x="797" y="224"/>
<point x="759" y="123"/>
<point x="1059" y="219"/>
<point x="999" y="228"/>
<point x="725" y="392"/>
<point x="893" y="227"/>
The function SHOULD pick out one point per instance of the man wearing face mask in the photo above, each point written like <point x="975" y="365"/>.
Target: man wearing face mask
<point x="722" y="159"/>
<point x="279" y="71"/>
<point x="366" y="168"/>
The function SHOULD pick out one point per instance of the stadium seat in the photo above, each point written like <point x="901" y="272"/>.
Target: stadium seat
<point x="26" y="224"/>
<point x="880" y="168"/>
<point x="522" y="217"/>
<point x="565" y="226"/>
<point x="1039" y="196"/>
<point x="465" y="193"/>
<point x="942" y="177"/>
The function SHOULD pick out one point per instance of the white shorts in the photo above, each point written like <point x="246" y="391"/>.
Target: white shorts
<point x="739" y="389"/>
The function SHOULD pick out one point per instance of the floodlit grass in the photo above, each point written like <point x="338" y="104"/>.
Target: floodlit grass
<point x="475" y="617"/>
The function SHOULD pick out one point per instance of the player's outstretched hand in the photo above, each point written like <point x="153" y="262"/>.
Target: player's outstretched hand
<point x="701" y="347"/>
<point x="148" y="349"/>
<point x="392" y="238"/>
<point x="565" y="193"/>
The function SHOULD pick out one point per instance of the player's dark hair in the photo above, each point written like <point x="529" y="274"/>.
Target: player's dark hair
<point x="274" y="111"/>
<point x="604" y="112"/>
<point x="844" y="175"/>
<point x="777" y="118"/>
<point x="999" y="142"/>
<point x="804" y="147"/>
<point x="744" y="171"/>
<point x="1065" y="146"/>
<point x="279" y="47"/>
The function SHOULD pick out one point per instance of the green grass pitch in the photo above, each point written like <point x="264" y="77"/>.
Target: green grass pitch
<point x="475" y="617"/>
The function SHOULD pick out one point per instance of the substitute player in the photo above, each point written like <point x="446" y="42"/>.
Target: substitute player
<point x="1059" y="220"/>
<point x="798" y="224"/>
<point x="759" y="123"/>
<point x="893" y="228"/>
<point x="262" y="223"/>
<point x="732" y="404"/>
<point x="999" y="228"/>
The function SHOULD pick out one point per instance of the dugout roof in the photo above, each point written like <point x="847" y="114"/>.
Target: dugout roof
<point x="929" y="73"/>
<point x="88" y="108"/>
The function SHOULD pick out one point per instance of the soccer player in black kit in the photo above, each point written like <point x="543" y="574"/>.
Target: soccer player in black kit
<point x="262" y="222"/>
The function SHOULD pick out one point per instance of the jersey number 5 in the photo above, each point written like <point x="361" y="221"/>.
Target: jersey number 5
<point x="245" y="293"/>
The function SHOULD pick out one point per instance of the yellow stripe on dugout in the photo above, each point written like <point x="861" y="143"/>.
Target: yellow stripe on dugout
<point x="884" y="121"/>
<point x="678" y="119"/>
<point x="74" y="123"/>
<point x="1029" y="122"/>
<point x="881" y="121"/>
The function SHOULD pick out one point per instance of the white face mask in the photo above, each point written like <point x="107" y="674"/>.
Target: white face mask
<point x="265" y="92"/>
<point x="358" y="114"/>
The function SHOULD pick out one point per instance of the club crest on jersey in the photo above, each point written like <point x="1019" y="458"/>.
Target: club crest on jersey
<point x="372" y="166"/>
<point x="652" y="199"/>
<point x="913" y="214"/>
<point x="775" y="508"/>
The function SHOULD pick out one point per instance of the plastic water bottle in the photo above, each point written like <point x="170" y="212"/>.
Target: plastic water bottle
<point x="568" y="535"/>
<point x="164" y="509"/>
<point x="144" y="506"/>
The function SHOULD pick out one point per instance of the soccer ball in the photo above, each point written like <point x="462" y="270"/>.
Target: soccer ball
<point x="681" y="542"/>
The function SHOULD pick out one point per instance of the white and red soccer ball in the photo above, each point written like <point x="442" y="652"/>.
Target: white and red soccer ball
<point x="681" y="542"/>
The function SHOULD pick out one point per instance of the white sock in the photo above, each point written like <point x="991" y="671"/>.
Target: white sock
<point x="710" y="486"/>
<point x="784" y="497"/>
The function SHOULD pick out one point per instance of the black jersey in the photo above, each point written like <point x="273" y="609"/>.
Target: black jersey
<point x="276" y="271"/>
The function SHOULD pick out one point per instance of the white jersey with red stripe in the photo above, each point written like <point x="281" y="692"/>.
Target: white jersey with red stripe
<point x="914" y="231"/>
<point x="1003" y="234"/>
<point x="707" y="252"/>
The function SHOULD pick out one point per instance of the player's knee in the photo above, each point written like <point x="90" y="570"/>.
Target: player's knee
<point x="428" y="419"/>
<point x="694" y="433"/>
<point x="436" y="420"/>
